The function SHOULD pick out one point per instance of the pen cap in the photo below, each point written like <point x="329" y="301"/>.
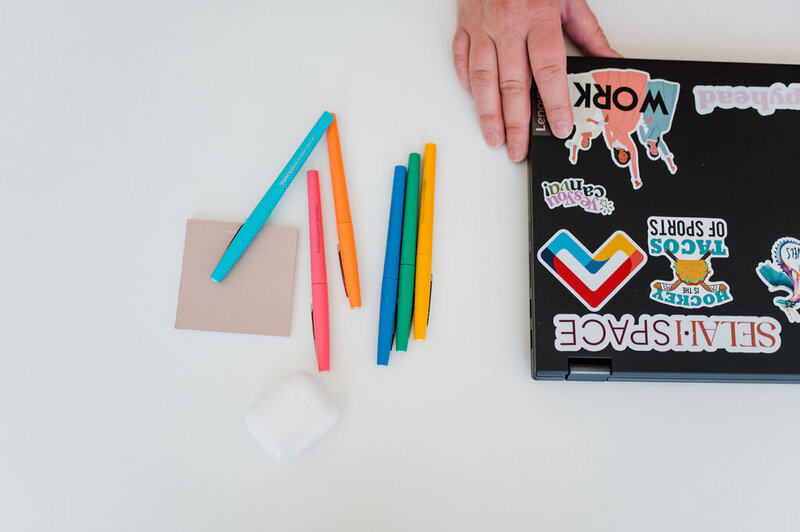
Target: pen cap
<point x="315" y="232"/>
<point x="425" y="241"/>
<point x="408" y="249"/>
<point x="341" y="203"/>
<point x="392" y="260"/>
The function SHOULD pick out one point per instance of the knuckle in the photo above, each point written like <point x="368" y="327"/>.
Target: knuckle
<point x="517" y="131"/>
<point x="490" y="117"/>
<point x="514" y="17"/>
<point x="513" y="87"/>
<point x="504" y="8"/>
<point x="460" y="59"/>
<point x="544" y="13"/>
<point x="506" y="13"/>
<point x="549" y="70"/>
<point x="483" y="77"/>
<point x="559" y="107"/>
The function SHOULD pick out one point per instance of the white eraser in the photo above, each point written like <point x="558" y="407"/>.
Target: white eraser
<point x="288" y="419"/>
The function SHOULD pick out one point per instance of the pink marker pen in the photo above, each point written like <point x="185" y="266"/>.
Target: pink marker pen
<point x="319" y="277"/>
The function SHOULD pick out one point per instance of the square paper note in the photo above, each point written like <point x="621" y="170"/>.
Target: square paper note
<point x="256" y="295"/>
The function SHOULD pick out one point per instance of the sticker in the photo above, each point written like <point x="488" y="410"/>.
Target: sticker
<point x="592" y="278"/>
<point x="689" y="244"/>
<point x="574" y="192"/>
<point x="782" y="273"/>
<point x="660" y="332"/>
<point x="765" y="100"/>
<point x="618" y="103"/>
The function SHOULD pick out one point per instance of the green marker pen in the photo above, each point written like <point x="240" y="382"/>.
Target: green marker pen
<point x="408" y="255"/>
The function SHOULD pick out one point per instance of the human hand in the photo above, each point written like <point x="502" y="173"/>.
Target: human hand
<point x="499" y="43"/>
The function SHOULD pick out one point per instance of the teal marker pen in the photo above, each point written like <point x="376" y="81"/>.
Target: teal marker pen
<point x="259" y="216"/>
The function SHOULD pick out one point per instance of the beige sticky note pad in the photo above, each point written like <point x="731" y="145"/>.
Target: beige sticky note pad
<point x="256" y="295"/>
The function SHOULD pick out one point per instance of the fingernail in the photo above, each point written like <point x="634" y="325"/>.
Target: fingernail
<point x="494" y="139"/>
<point x="561" y="129"/>
<point x="515" y="152"/>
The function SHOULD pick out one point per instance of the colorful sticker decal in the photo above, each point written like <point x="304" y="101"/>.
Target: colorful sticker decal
<point x="689" y="244"/>
<point x="660" y="332"/>
<point x="782" y="273"/>
<point x="617" y="103"/>
<point x="575" y="192"/>
<point x="765" y="100"/>
<point x="592" y="278"/>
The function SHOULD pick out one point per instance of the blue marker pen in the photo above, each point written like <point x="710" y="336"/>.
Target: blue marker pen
<point x="391" y="267"/>
<point x="259" y="216"/>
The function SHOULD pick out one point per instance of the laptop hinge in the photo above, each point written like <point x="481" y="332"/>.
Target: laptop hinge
<point x="589" y="370"/>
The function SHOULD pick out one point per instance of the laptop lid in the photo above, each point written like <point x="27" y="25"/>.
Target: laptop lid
<point x="664" y="240"/>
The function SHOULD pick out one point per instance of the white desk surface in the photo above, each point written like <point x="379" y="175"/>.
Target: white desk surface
<point x="118" y="121"/>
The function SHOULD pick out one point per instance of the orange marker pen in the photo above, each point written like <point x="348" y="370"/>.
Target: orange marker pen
<point x="344" y="225"/>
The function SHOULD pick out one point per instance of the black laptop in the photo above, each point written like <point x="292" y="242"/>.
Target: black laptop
<point x="665" y="241"/>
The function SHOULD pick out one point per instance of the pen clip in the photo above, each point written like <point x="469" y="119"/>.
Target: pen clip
<point x="313" y="328"/>
<point x="430" y="293"/>
<point x="234" y="236"/>
<point x="341" y="269"/>
<point x="394" y="333"/>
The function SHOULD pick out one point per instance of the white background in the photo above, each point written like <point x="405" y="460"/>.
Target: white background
<point x="120" y="120"/>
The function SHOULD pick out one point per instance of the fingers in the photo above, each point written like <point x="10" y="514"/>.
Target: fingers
<point x="548" y="59"/>
<point x="485" y="88"/>
<point x="582" y="27"/>
<point x="515" y="85"/>
<point x="461" y="57"/>
<point x="493" y="65"/>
